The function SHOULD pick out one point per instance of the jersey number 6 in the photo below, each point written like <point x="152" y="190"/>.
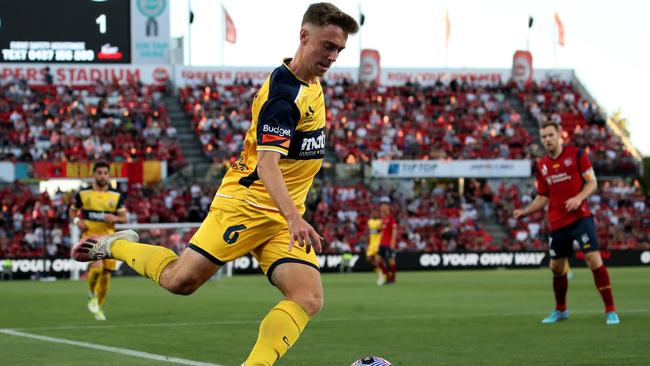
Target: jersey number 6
<point x="232" y="233"/>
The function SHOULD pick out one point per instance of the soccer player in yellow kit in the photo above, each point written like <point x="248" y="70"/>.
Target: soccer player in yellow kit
<point x="372" y="251"/>
<point x="101" y="207"/>
<point x="258" y="208"/>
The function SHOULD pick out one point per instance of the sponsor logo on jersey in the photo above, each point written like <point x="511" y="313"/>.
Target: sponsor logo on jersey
<point x="314" y="143"/>
<point x="277" y="130"/>
<point x="558" y="178"/>
<point x="308" y="145"/>
<point x="96" y="216"/>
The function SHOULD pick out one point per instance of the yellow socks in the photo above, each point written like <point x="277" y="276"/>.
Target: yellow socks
<point x="102" y="287"/>
<point x="147" y="260"/>
<point x="93" y="277"/>
<point x="279" y="330"/>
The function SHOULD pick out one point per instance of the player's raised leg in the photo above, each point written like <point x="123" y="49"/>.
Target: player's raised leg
<point x="280" y="329"/>
<point x="180" y="275"/>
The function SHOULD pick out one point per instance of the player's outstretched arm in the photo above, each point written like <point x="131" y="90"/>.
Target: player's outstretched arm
<point x="538" y="203"/>
<point x="270" y="174"/>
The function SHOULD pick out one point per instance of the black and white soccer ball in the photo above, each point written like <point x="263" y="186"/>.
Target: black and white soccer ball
<point x="371" y="361"/>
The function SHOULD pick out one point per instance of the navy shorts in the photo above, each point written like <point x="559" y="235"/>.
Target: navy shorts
<point x="386" y="252"/>
<point x="582" y="231"/>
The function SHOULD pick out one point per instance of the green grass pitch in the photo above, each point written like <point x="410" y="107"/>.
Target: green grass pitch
<point x="427" y="318"/>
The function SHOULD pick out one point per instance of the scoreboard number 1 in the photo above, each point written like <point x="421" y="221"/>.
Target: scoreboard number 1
<point x="101" y="21"/>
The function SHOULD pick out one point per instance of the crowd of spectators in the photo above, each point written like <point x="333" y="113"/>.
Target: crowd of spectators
<point x="583" y="124"/>
<point x="461" y="120"/>
<point x="59" y="123"/>
<point x="37" y="224"/>
<point x="432" y="217"/>
<point x="220" y="116"/>
<point x="454" y="120"/>
<point x="619" y="208"/>
<point x="33" y="224"/>
<point x="429" y="218"/>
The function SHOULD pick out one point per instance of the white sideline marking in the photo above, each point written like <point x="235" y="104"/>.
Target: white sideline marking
<point x="328" y="320"/>
<point x="122" y="351"/>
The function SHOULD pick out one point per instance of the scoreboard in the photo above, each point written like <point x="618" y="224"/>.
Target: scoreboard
<point x="65" y="31"/>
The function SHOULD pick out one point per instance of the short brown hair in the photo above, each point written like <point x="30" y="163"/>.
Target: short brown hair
<point x="101" y="164"/>
<point x="321" y="14"/>
<point x="549" y="124"/>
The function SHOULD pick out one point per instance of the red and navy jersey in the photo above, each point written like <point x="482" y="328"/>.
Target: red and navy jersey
<point x="388" y="227"/>
<point x="560" y="179"/>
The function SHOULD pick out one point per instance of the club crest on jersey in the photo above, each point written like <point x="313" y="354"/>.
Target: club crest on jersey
<point x="568" y="162"/>
<point x="544" y="169"/>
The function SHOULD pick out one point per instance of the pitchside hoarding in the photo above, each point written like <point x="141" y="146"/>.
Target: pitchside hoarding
<point x="497" y="168"/>
<point x="34" y="74"/>
<point x="388" y="76"/>
<point x="75" y="74"/>
<point x="407" y="261"/>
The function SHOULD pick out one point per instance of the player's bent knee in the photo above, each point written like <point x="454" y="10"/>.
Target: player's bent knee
<point x="558" y="269"/>
<point x="311" y="302"/>
<point x="180" y="285"/>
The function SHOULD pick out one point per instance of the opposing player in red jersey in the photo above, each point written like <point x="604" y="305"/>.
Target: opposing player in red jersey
<point x="387" y="244"/>
<point x="565" y="178"/>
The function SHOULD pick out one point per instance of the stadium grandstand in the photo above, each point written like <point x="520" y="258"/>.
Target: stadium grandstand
<point x="452" y="151"/>
<point x="462" y="119"/>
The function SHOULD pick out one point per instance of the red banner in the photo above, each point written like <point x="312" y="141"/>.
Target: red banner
<point x="134" y="172"/>
<point x="369" y="68"/>
<point x="522" y="67"/>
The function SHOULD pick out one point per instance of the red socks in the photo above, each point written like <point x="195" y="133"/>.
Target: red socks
<point x="560" y="286"/>
<point x="393" y="272"/>
<point x="601" y="278"/>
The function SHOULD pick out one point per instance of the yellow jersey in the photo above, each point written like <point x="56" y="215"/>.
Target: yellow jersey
<point x="374" y="228"/>
<point x="95" y="205"/>
<point x="288" y="117"/>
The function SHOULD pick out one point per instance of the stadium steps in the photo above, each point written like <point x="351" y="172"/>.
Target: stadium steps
<point x="492" y="226"/>
<point x="528" y="122"/>
<point x="188" y="141"/>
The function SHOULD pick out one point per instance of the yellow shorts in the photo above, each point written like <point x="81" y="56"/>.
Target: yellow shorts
<point x="234" y="228"/>
<point x="372" y="249"/>
<point x="108" y="264"/>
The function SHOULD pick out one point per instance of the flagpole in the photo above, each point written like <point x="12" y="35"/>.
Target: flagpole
<point x="360" y="32"/>
<point x="189" y="35"/>
<point x="528" y="33"/>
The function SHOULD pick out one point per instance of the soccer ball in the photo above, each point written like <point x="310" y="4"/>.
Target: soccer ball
<point x="371" y="361"/>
